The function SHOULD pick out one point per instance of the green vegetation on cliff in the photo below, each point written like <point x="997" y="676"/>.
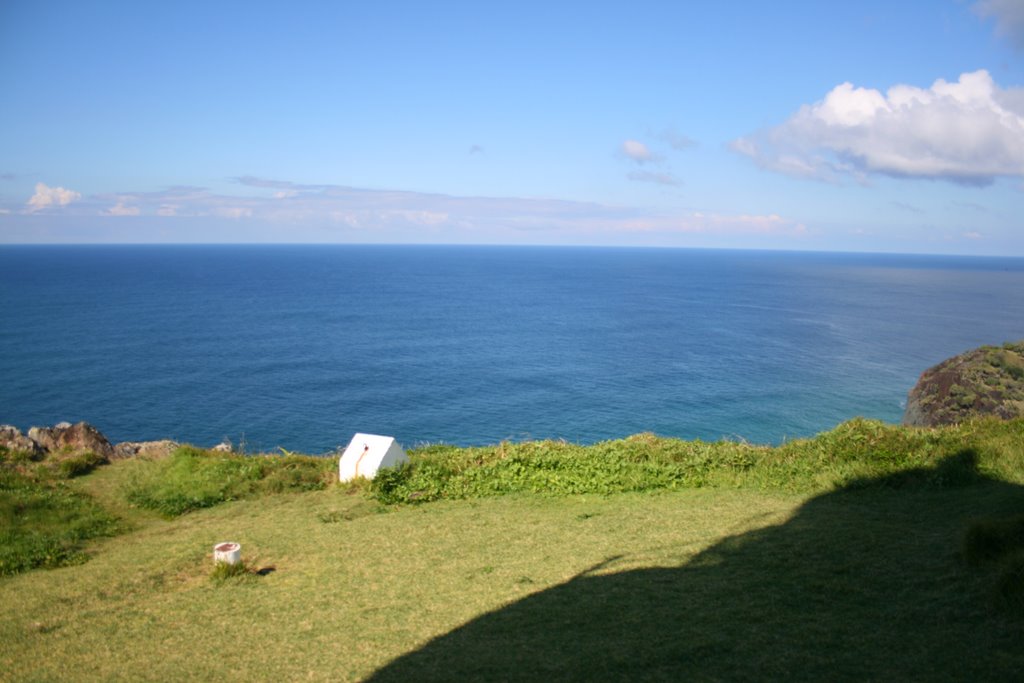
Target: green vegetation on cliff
<point x="853" y="452"/>
<point x="987" y="381"/>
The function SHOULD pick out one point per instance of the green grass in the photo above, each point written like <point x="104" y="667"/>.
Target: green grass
<point x="990" y="540"/>
<point x="192" y="479"/>
<point x="844" y="557"/>
<point x="44" y="522"/>
<point x="998" y="543"/>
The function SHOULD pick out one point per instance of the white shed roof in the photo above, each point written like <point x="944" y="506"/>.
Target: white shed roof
<point x="367" y="453"/>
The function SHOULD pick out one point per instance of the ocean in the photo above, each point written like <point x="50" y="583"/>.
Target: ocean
<point x="301" y="346"/>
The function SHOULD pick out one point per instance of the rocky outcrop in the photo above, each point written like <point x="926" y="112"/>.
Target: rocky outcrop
<point x="13" y="440"/>
<point x="985" y="381"/>
<point x="71" y="438"/>
<point x="68" y="439"/>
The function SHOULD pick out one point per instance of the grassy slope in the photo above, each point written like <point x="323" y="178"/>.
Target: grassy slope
<point x="690" y="584"/>
<point x="345" y="597"/>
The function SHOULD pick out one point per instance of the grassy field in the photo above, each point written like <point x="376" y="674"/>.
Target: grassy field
<point x="839" y="558"/>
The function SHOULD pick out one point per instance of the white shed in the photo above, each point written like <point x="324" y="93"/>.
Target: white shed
<point x="367" y="453"/>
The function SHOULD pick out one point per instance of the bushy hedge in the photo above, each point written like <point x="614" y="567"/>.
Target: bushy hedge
<point x="855" y="454"/>
<point x="640" y="463"/>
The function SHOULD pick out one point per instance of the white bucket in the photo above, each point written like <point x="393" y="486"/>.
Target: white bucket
<point x="227" y="552"/>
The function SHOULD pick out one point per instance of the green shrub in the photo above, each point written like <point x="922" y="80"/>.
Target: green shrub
<point x="640" y="463"/>
<point x="855" y="454"/>
<point x="222" y="571"/>
<point x="391" y="484"/>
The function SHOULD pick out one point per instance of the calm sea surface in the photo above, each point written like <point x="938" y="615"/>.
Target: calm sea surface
<point x="300" y="346"/>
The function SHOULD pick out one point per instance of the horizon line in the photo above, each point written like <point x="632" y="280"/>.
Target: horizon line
<point x="504" y="246"/>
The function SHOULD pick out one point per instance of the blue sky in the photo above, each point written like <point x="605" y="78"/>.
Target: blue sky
<point x="871" y="126"/>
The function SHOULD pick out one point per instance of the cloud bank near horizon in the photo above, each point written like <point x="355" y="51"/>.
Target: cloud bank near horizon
<point x="341" y="213"/>
<point x="969" y="132"/>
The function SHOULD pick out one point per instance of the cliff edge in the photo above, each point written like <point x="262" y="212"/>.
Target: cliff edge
<point x="984" y="381"/>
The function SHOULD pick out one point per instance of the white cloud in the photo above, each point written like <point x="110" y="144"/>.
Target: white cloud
<point x="46" y="196"/>
<point x="638" y="152"/>
<point x="970" y="131"/>
<point x="1009" y="16"/>
<point x="167" y="210"/>
<point x="120" y="209"/>
<point x="973" y="235"/>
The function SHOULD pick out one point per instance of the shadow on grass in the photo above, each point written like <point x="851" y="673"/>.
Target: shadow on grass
<point x="866" y="582"/>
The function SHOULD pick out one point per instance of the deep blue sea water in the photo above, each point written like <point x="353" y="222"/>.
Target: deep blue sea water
<point x="301" y="346"/>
